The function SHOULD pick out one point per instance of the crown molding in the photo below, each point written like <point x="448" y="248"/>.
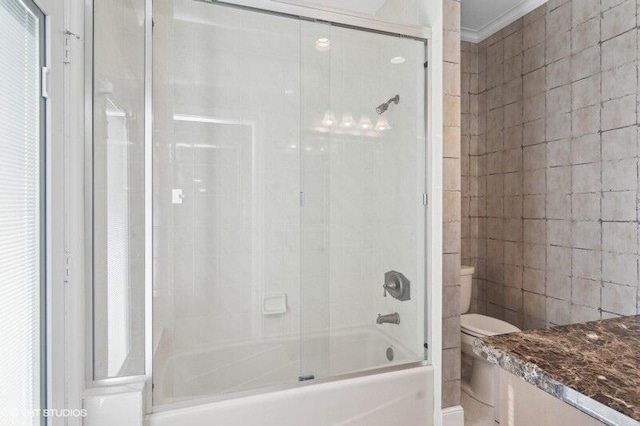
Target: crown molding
<point x="511" y="15"/>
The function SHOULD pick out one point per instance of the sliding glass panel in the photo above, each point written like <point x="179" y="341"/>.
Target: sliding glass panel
<point x="226" y="188"/>
<point x="22" y="219"/>
<point x="376" y="211"/>
<point x="118" y="193"/>
<point x="362" y="180"/>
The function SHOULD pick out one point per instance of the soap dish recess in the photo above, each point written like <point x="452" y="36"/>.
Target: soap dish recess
<point x="274" y="304"/>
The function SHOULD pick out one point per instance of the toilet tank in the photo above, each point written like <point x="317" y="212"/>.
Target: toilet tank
<point x="466" y="284"/>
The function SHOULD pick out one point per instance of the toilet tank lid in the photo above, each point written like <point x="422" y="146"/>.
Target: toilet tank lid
<point x="467" y="270"/>
<point x="483" y="325"/>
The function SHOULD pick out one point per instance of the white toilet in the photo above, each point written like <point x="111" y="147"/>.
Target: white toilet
<point x="480" y="381"/>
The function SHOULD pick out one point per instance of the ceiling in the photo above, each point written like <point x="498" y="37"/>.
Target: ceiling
<point x="481" y="18"/>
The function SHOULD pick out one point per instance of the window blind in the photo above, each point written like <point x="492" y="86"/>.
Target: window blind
<point x="20" y="212"/>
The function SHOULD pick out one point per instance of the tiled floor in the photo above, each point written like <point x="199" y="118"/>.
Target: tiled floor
<point x="476" y="413"/>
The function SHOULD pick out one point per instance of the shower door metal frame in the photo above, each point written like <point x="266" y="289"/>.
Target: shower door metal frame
<point x="330" y="15"/>
<point x="90" y="380"/>
<point x="148" y="204"/>
<point x="290" y="11"/>
<point x="250" y="6"/>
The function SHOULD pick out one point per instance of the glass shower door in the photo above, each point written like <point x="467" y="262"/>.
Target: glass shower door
<point x="362" y="183"/>
<point x="281" y="198"/>
<point x="226" y="200"/>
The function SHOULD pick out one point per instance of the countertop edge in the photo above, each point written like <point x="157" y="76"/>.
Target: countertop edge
<point x="534" y="375"/>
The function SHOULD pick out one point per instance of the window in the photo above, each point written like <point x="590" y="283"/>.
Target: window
<point x="21" y="211"/>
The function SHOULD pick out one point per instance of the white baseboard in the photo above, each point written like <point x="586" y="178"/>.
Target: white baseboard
<point x="453" y="416"/>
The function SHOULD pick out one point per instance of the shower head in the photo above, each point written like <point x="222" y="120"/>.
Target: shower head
<point x="385" y="106"/>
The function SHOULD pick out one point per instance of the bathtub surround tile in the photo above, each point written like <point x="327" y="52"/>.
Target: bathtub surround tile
<point x="619" y="206"/>
<point x="586" y="120"/>
<point x="559" y="232"/>
<point x="558" y="206"/>
<point x="558" y="311"/>
<point x="581" y="314"/>
<point x="585" y="63"/>
<point x="586" y="178"/>
<point x="451" y="393"/>
<point x="533" y="32"/>
<point x="461" y="62"/>
<point x="618" y="19"/>
<point x="585" y="34"/>
<point x="559" y="72"/>
<point x="621" y="175"/>
<point x="585" y="149"/>
<point x="619" y="82"/>
<point x="619" y="50"/>
<point x="534" y="306"/>
<point x="586" y="206"/>
<point x="533" y="58"/>
<point x="451" y="364"/>
<point x="556" y="200"/>
<point x="620" y="237"/>
<point x="586" y="235"/>
<point x="558" y="46"/>
<point x="620" y="268"/>
<point x="558" y="286"/>
<point x="619" y="112"/>
<point x="451" y="269"/>
<point x="586" y="292"/>
<point x="451" y="301"/>
<point x="451" y="332"/>
<point x="558" y="152"/>
<point x="620" y="144"/>
<point x="557" y="18"/>
<point x="586" y="92"/>
<point x="533" y="280"/>
<point x="558" y="180"/>
<point x="584" y="10"/>
<point x="587" y="264"/>
<point x="614" y="298"/>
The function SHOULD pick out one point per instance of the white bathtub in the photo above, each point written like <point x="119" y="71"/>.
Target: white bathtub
<point x="251" y="365"/>
<point x="401" y="397"/>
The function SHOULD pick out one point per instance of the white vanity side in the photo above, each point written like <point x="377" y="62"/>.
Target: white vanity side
<point x="523" y="404"/>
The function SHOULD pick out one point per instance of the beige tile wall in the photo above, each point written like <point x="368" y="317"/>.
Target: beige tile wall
<point x="550" y="165"/>
<point x="451" y="213"/>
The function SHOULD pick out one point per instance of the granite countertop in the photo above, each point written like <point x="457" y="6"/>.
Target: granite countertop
<point x="594" y="366"/>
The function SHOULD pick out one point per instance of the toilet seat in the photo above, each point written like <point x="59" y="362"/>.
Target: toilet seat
<point x="481" y="325"/>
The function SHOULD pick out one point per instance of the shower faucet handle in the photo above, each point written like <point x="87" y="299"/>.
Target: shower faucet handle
<point x="389" y="286"/>
<point x="397" y="285"/>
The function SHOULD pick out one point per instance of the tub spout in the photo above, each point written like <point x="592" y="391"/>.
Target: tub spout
<point x="393" y="318"/>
